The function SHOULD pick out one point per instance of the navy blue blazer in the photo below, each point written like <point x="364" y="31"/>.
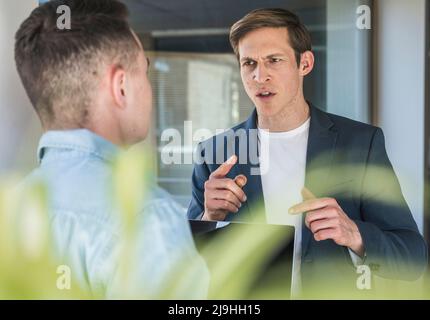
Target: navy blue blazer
<point x="346" y="160"/>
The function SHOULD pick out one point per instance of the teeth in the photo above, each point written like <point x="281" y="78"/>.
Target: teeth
<point x="265" y="93"/>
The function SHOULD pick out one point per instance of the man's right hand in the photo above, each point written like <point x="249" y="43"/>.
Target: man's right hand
<point x="223" y="195"/>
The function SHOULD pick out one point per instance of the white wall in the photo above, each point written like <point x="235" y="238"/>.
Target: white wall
<point x="400" y="98"/>
<point x="19" y="128"/>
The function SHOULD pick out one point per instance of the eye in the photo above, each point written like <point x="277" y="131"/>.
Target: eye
<point x="248" y="63"/>
<point x="274" y="60"/>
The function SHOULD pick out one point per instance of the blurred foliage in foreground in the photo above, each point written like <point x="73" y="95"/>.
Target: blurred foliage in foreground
<point x="29" y="270"/>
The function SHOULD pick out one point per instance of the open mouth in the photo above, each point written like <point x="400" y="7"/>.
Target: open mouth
<point x="265" y="94"/>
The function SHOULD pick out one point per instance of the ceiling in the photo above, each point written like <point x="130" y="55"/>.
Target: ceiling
<point x="155" y="15"/>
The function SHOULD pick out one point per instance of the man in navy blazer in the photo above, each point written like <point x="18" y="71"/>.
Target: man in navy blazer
<point x="334" y="170"/>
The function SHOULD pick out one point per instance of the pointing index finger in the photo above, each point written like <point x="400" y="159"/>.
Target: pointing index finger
<point x="224" y="168"/>
<point x="307" y="194"/>
<point x="309" y="205"/>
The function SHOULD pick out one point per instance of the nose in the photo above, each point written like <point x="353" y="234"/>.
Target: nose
<point x="261" y="73"/>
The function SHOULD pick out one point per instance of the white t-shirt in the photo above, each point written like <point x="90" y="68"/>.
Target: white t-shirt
<point x="283" y="167"/>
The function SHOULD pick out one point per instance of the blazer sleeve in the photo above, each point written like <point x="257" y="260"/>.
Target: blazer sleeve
<point x="200" y="175"/>
<point x="393" y="245"/>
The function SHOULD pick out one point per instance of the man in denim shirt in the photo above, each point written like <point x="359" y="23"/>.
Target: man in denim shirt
<point x="90" y="89"/>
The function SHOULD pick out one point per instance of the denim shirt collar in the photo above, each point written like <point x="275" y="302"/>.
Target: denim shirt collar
<point x="82" y="140"/>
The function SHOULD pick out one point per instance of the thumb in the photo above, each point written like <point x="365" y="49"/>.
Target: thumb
<point x="240" y="180"/>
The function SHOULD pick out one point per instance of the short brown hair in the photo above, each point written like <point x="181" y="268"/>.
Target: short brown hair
<point x="300" y="39"/>
<point x="60" y="68"/>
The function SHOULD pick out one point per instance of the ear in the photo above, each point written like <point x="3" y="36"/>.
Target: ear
<point x="307" y="60"/>
<point x="118" y="86"/>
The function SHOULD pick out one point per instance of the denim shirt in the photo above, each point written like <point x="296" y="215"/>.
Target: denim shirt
<point x="76" y="167"/>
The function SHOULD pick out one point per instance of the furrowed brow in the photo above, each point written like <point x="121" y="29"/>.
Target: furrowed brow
<point x="247" y="59"/>
<point x="270" y="56"/>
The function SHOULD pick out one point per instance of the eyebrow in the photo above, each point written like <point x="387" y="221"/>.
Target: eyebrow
<point x="274" y="55"/>
<point x="267" y="57"/>
<point x="246" y="58"/>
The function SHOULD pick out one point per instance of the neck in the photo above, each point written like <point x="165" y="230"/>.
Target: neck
<point x="289" y="118"/>
<point x="108" y="130"/>
<point x="105" y="123"/>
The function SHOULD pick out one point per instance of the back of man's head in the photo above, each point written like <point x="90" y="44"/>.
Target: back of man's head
<point x="61" y="68"/>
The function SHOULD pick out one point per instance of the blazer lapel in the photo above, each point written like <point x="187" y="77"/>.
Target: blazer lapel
<point x="319" y="159"/>
<point x="251" y="169"/>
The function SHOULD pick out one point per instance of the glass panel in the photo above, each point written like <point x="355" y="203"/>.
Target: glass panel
<point x="196" y="94"/>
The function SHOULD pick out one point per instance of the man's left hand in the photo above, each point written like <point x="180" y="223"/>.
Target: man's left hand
<point x="326" y="219"/>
